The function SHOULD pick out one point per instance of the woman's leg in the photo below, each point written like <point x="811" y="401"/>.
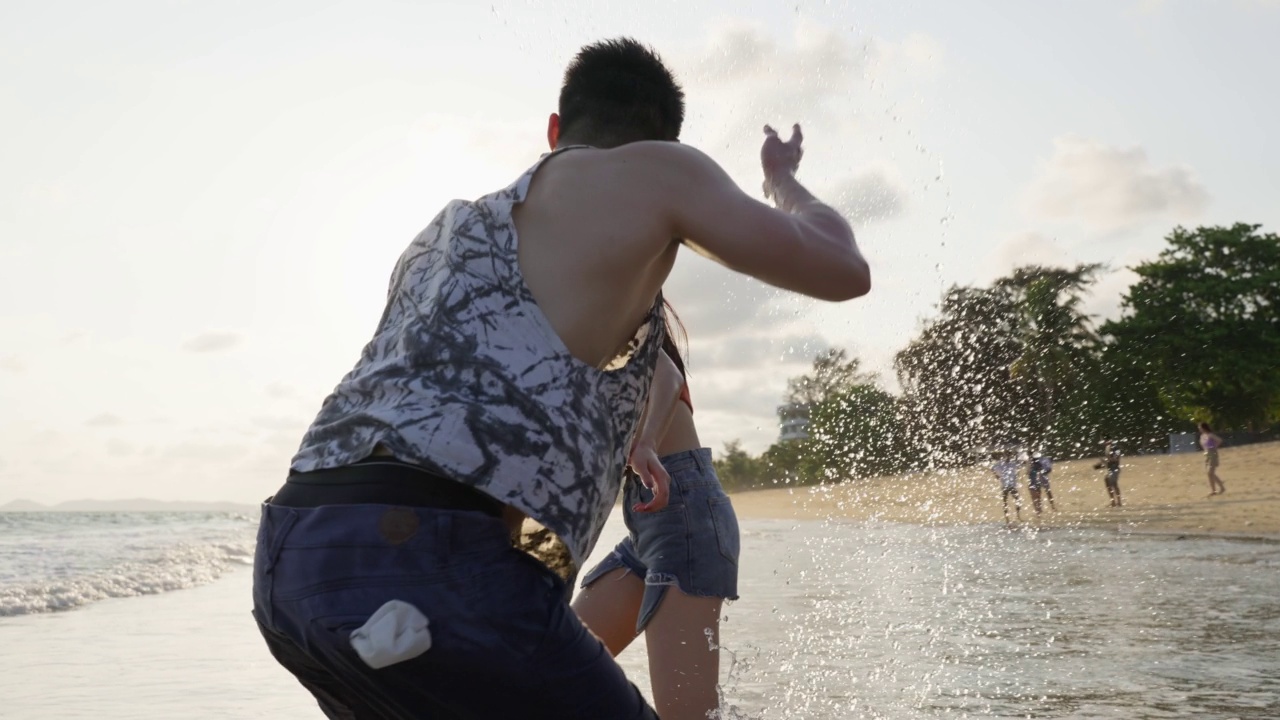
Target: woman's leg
<point x="609" y="608"/>
<point x="684" y="655"/>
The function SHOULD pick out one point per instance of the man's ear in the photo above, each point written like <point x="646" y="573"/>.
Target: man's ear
<point x="553" y="130"/>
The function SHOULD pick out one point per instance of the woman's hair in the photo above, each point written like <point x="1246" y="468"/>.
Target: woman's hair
<point x="1205" y="427"/>
<point x="675" y="338"/>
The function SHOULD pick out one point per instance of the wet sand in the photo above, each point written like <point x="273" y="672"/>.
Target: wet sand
<point x="1161" y="493"/>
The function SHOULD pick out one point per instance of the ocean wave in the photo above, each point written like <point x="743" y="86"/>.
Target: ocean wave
<point x="175" y="568"/>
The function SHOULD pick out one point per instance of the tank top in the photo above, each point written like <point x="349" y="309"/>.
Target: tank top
<point x="466" y="377"/>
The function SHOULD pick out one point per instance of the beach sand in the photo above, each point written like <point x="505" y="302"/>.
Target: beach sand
<point x="1161" y="493"/>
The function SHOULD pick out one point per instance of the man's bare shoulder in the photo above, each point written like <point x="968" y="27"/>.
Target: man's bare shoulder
<point x="662" y="156"/>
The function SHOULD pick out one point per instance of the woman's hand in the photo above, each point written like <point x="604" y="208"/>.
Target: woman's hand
<point x="644" y="461"/>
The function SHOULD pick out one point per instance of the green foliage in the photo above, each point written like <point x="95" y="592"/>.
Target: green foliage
<point x="1205" y="315"/>
<point x="833" y="372"/>
<point x="854" y="434"/>
<point x="1058" y="344"/>
<point x="958" y="392"/>
<point x="1019" y="362"/>
<point x="736" y="469"/>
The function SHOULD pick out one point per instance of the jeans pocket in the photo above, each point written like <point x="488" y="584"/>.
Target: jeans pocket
<point x="725" y="521"/>
<point x="273" y="528"/>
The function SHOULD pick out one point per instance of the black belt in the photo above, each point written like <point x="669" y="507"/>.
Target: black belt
<point x="382" y="481"/>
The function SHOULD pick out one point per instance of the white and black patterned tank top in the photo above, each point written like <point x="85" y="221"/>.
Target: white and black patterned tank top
<point x="466" y="376"/>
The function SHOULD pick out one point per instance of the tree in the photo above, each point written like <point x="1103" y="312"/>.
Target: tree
<point x="1059" y="346"/>
<point x="1206" y="317"/>
<point x="958" y="392"/>
<point x="856" y="433"/>
<point x="736" y="469"/>
<point x="833" y="372"/>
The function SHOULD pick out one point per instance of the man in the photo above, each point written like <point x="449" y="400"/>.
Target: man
<point x="1111" y="461"/>
<point x="1038" y="480"/>
<point x="504" y="381"/>
<point x="1006" y="471"/>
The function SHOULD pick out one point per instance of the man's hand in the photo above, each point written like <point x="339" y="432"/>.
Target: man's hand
<point x="644" y="461"/>
<point x="780" y="159"/>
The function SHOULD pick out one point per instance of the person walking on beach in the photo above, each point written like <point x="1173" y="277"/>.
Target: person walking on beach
<point x="1210" y="443"/>
<point x="1006" y="470"/>
<point x="1111" y="462"/>
<point x="669" y="576"/>
<point x="505" y="381"/>
<point x="1038" y="480"/>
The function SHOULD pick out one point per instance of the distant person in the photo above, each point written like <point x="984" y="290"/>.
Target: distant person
<point x="1006" y="470"/>
<point x="505" y="380"/>
<point x="669" y="577"/>
<point x="1038" y="477"/>
<point x="1210" y="443"/>
<point x="1111" y="461"/>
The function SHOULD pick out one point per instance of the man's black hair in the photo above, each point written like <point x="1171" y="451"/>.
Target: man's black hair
<point x="618" y="91"/>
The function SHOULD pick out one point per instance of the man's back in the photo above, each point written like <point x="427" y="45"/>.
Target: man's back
<point x="592" y="251"/>
<point x="600" y="229"/>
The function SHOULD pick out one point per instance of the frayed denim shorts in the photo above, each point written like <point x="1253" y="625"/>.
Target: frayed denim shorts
<point x="691" y="544"/>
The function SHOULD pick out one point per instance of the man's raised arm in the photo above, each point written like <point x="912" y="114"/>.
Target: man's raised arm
<point x="804" y="245"/>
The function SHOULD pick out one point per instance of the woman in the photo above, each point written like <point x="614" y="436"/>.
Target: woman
<point x="1211" y="443"/>
<point x="669" y="576"/>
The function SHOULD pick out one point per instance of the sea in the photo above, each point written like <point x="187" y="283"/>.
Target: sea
<point x="146" y="615"/>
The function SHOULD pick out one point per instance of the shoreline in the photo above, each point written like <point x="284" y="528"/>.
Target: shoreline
<point x="1163" y="495"/>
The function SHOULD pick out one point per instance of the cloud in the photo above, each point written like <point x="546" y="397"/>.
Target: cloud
<point x="743" y="398"/>
<point x="1029" y="248"/>
<point x="714" y="302"/>
<point x="745" y="352"/>
<point x="203" y="452"/>
<point x="13" y="364"/>
<point x="104" y="420"/>
<point x="211" y="342"/>
<point x="280" y="391"/>
<point x="290" y="424"/>
<point x="827" y="79"/>
<point x="868" y="197"/>
<point x="1111" y="188"/>
<point x="119" y="448"/>
<point x="1155" y="7"/>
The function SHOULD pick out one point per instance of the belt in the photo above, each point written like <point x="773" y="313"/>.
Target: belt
<point x="382" y="481"/>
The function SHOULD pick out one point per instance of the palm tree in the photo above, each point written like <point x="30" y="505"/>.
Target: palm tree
<point x="1058" y="341"/>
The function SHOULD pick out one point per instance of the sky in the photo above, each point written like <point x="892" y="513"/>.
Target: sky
<point x="201" y="203"/>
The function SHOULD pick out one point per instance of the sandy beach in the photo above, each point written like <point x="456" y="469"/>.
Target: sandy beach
<point x="1161" y="493"/>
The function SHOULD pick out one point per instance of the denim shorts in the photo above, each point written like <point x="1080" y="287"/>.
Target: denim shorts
<point x="498" y="619"/>
<point x="692" y="543"/>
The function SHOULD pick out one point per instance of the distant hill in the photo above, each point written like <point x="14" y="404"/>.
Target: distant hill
<point x="134" y="505"/>
<point x="23" y="505"/>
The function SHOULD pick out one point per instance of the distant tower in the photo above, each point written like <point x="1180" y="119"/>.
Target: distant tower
<point x="793" y="422"/>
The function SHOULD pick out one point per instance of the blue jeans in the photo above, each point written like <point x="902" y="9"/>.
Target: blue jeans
<point x="692" y="543"/>
<point x="505" y="643"/>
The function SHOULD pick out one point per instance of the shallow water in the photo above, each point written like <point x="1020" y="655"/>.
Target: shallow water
<point x="837" y="620"/>
<point x="885" y="620"/>
<point x="51" y="561"/>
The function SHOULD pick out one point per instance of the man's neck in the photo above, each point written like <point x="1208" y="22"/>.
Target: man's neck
<point x="565" y="141"/>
